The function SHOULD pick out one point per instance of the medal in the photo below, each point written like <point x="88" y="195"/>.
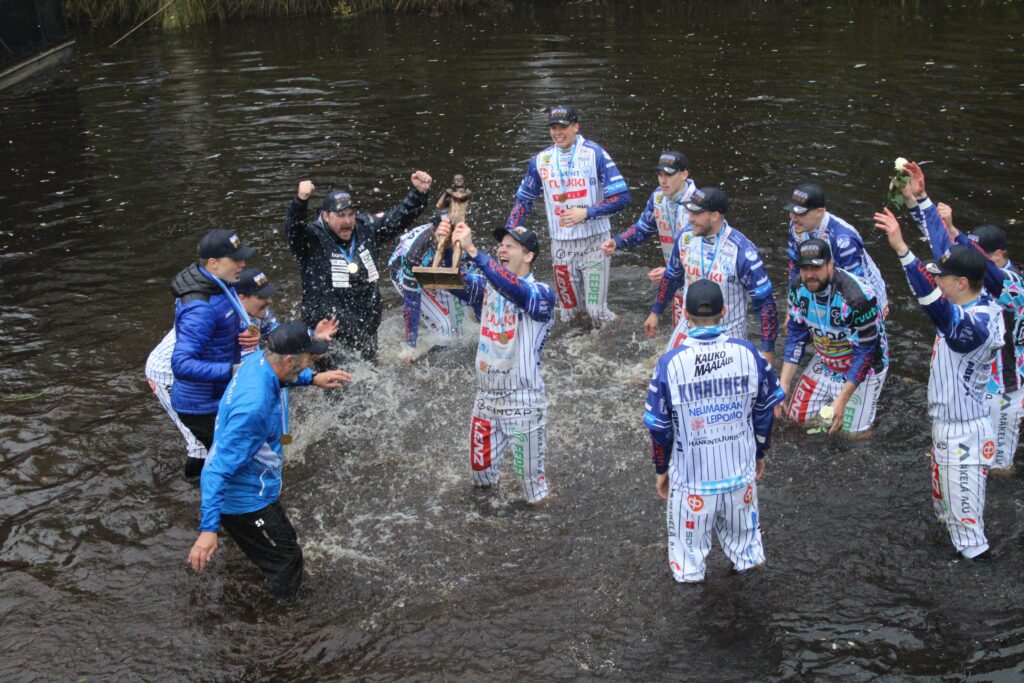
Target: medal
<point x="560" y="198"/>
<point x="503" y="338"/>
<point x="353" y="268"/>
<point x="286" y="439"/>
<point x="252" y="329"/>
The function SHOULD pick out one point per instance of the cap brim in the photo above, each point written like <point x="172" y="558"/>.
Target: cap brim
<point x="796" y="208"/>
<point x="267" y="291"/>
<point x="242" y="253"/>
<point x="935" y="268"/>
<point x="317" y="347"/>
<point x="667" y="170"/>
<point x="694" y="208"/>
<point x="560" y="122"/>
<point x="816" y="262"/>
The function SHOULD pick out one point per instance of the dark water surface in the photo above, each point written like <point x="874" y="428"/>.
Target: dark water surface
<point x="109" y="176"/>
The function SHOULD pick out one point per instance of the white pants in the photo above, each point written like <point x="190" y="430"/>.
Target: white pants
<point x="497" y="425"/>
<point x="441" y="312"/>
<point x="193" y="447"/>
<point x="959" y="474"/>
<point x="1007" y="410"/>
<point x="819" y="386"/>
<point x="732" y="515"/>
<point x="581" y="277"/>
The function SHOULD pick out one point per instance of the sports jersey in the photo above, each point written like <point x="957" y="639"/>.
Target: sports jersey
<point x="663" y="216"/>
<point x="709" y="411"/>
<point x="583" y="177"/>
<point x="968" y="340"/>
<point x="848" y="253"/>
<point x="844" y="323"/>
<point x="730" y="260"/>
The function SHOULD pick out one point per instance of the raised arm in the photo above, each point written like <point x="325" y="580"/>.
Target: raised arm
<point x="529" y="190"/>
<point x="400" y="218"/>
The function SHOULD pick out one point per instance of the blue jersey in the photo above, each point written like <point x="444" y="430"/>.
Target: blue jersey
<point x="1005" y="284"/>
<point x="732" y="261"/>
<point x="844" y="323"/>
<point x="848" y="253"/>
<point x="243" y="470"/>
<point x="663" y="216"/>
<point x="710" y="410"/>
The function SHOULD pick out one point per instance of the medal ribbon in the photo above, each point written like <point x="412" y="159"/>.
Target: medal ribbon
<point x="558" y="166"/>
<point x="350" y="255"/>
<point x="284" y="410"/>
<point x="707" y="269"/>
<point x="236" y="303"/>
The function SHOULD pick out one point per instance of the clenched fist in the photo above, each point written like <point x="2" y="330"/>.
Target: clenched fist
<point x="306" y="188"/>
<point x="421" y="180"/>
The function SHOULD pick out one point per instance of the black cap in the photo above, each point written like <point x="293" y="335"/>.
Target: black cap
<point x="961" y="261"/>
<point x="222" y="243"/>
<point x="439" y="215"/>
<point x="562" y="115"/>
<point x="813" y="252"/>
<point x="254" y="282"/>
<point x="524" y="236"/>
<point x="707" y="199"/>
<point x="989" y="238"/>
<point x="671" y="162"/>
<point x="289" y="339"/>
<point x="704" y="298"/>
<point x="806" y="197"/>
<point x="337" y="201"/>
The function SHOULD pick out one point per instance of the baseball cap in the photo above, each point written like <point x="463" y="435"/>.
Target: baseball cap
<point x="806" y="197"/>
<point x="222" y="243"/>
<point x="562" y="115"/>
<point x="671" y="162"/>
<point x="707" y="199"/>
<point x="989" y="238"/>
<point x="337" y="201"/>
<point x="293" y="338"/>
<point x="524" y="236"/>
<point x="254" y="282"/>
<point x="704" y="298"/>
<point x="961" y="261"/>
<point x="813" y="252"/>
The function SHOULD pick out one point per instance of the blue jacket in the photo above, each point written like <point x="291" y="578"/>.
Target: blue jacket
<point x="243" y="471"/>
<point x="207" y="342"/>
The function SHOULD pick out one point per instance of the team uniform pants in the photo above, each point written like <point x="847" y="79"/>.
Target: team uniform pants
<point x="194" y="450"/>
<point x="959" y="474"/>
<point x="269" y="541"/>
<point x="440" y="311"/>
<point x="581" y="277"/>
<point x="819" y="386"/>
<point x="499" y="425"/>
<point x="1007" y="410"/>
<point x="734" y="518"/>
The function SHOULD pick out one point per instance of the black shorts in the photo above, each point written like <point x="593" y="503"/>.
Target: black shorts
<point x="268" y="539"/>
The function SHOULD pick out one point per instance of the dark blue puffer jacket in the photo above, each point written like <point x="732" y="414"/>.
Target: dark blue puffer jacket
<point x="207" y="343"/>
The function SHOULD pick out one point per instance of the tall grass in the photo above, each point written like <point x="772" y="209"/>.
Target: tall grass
<point x="184" y="13"/>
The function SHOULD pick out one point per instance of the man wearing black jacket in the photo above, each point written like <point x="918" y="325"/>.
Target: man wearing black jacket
<point x="340" y="263"/>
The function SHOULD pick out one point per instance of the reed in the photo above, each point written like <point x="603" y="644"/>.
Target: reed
<point x="185" y="13"/>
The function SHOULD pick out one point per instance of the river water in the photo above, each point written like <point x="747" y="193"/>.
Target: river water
<point x="110" y="173"/>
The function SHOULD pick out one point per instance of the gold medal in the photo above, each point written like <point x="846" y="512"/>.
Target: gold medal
<point x="252" y="329"/>
<point x="286" y="439"/>
<point x="353" y="268"/>
<point x="503" y="338"/>
<point x="560" y="198"/>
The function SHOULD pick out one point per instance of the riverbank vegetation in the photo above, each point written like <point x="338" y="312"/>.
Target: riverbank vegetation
<point x="174" y="14"/>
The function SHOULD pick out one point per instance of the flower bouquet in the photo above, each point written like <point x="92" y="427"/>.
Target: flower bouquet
<point x="896" y="185"/>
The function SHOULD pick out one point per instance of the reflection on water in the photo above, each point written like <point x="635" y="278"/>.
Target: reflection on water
<point x="111" y="173"/>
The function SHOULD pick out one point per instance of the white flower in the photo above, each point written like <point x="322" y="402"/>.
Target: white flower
<point x="900" y="163"/>
<point x="826" y="413"/>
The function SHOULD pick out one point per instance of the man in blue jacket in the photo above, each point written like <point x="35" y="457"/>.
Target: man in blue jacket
<point x="241" y="482"/>
<point x="207" y="316"/>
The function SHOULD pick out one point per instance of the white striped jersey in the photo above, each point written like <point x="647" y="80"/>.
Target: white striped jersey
<point x="664" y="216"/>
<point x="968" y="340"/>
<point x="515" y="319"/>
<point x="710" y="410"/>
<point x="583" y="177"/>
<point x="730" y="260"/>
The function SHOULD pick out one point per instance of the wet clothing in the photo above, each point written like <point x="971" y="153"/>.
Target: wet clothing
<point x="206" y="347"/>
<point x="846" y="327"/>
<point x="1005" y="390"/>
<point x="848" y="253"/>
<point x="329" y="288"/>
<point x="441" y="311"/>
<point x="584" y="177"/>
<point x="709" y="410"/>
<point x="733" y="262"/>
<point x="511" y="404"/>
<point x="665" y="217"/>
<point x="967" y="343"/>
<point x="268" y="539"/>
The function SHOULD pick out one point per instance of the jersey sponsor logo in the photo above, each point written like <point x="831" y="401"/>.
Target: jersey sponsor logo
<point x="748" y="495"/>
<point x="970" y="521"/>
<point x="480" y="445"/>
<point x="693" y="273"/>
<point x="988" y="450"/>
<point x="719" y="387"/>
<point x="707" y="409"/>
<point x="695" y="502"/>
<point x="842" y="241"/>
<point x="751" y="254"/>
<point x="936" y="481"/>
<point x="697" y="424"/>
<point x="594" y="284"/>
<point x="709" y="362"/>
<point x="696" y="443"/>
<point x="690" y="524"/>
<point x="563" y="285"/>
<point x="569" y="183"/>
<point x="491" y="370"/>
